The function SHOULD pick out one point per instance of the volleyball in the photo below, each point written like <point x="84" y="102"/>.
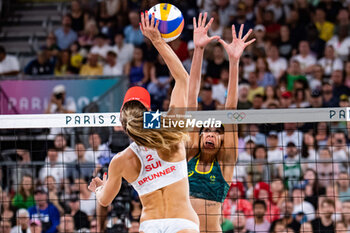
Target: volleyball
<point x="171" y="21"/>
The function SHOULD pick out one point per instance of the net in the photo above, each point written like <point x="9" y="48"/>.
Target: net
<point x="292" y="165"/>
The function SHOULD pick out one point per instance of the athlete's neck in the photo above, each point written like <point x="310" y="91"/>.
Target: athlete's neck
<point x="207" y="156"/>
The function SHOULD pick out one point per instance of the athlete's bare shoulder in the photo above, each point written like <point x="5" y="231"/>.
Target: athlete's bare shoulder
<point x="129" y="160"/>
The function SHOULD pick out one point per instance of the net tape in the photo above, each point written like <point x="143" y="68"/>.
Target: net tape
<point x="225" y="116"/>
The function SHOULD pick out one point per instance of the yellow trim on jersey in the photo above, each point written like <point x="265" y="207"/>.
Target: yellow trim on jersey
<point x="164" y="11"/>
<point x="190" y="173"/>
<point x="211" y="168"/>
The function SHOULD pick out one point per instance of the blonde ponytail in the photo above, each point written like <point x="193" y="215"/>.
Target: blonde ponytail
<point x="132" y="122"/>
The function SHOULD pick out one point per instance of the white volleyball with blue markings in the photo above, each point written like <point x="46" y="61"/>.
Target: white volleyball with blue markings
<point x="171" y="21"/>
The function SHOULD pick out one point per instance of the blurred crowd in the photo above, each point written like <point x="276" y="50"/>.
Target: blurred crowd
<point x="289" y="177"/>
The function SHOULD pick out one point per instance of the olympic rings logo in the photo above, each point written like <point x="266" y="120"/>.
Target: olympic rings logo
<point x="236" y="116"/>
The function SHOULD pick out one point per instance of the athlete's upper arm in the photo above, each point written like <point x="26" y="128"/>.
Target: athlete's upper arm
<point x="114" y="180"/>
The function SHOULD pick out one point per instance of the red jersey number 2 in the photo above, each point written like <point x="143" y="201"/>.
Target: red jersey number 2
<point x="149" y="158"/>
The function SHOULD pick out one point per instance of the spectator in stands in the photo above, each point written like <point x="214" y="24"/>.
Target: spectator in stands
<point x="52" y="167"/>
<point x="324" y="27"/>
<point x="300" y="99"/>
<point x="215" y="66"/>
<point x="24" y="167"/>
<point x="338" y="146"/>
<point x="346" y="212"/>
<point x="254" y="88"/>
<point x="342" y="20"/>
<point x="112" y="67"/>
<point x="248" y="64"/>
<point x="300" y="206"/>
<point x="216" y="28"/>
<point x="40" y="65"/>
<point x="22" y="222"/>
<point x="65" y="35"/>
<point x="313" y="189"/>
<point x="66" y="154"/>
<point x="264" y="75"/>
<point x="97" y="153"/>
<point x="160" y="81"/>
<point x="80" y="167"/>
<point x="327" y="170"/>
<point x="135" y="225"/>
<point x="93" y="226"/>
<point x="80" y="218"/>
<point x="285" y="43"/>
<point x="286" y="99"/>
<point x="274" y="153"/>
<point x="316" y="99"/>
<point x="258" y="223"/>
<point x="341" y="43"/>
<point x="51" y="46"/>
<point x="344" y="187"/>
<point x="5" y="226"/>
<point x="138" y="69"/>
<point x="66" y="224"/>
<point x="58" y="102"/>
<point x="132" y="32"/>
<point x="278" y="65"/>
<point x="9" y="64"/>
<point x="338" y="85"/>
<point x="279" y="193"/>
<point x="238" y="224"/>
<point x="290" y="134"/>
<point x="235" y="202"/>
<point x="76" y="58"/>
<point x="243" y="102"/>
<point x="180" y="48"/>
<point x="327" y="93"/>
<point x="124" y="50"/>
<point x="316" y="77"/>
<point x="51" y="185"/>
<point x="188" y="62"/>
<point x="206" y="99"/>
<point x="329" y="62"/>
<point x="347" y="74"/>
<point x="324" y="223"/>
<point x="92" y="67"/>
<point x="101" y="46"/>
<point x="6" y="209"/>
<point x="87" y="198"/>
<point x="62" y="67"/>
<point x="86" y="39"/>
<point x="44" y="211"/>
<point x="305" y="58"/>
<point x="79" y="17"/>
<point x="278" y="226"/>
<point x="259" y="46"/>
<point x="262" y="192"/>
<point x="309" y="147"/>
<point x="24" y="198"/>
<point x="220" y="89"/>
<point x="291" y="168"/>
<point x="341" y="226"/>
<point x="35" y="226"/>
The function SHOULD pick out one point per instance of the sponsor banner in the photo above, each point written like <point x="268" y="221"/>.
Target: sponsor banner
<point x="33" y="96"/>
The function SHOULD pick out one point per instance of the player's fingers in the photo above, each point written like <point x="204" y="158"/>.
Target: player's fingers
<point x="209" y="24"/>
<point x="105" y="177"/>
<point x="152" y="20"/>
<point x="146" y="19"/>
<point x="214" y="38"/>
<point x="247" y="35"/>
<point x="249" y="42"/>
<point x="204" y="19"/>
<point x="142" y="21"/>
<point x="200" y="20"/>
<point x="221" y="41"/>
<point x="234" y="34"/>
<point x="194" y="23"/>
<point x="157" y="24"/>
<point x="240" y="31"/>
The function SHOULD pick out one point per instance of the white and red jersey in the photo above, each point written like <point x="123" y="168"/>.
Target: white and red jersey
<point x="156" y="173"/>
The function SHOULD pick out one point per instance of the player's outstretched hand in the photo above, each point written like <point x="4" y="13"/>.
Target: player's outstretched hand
<point x="200" y="31"/>
<point x="150" y="28"/>
<point x="97" y="182"/>
<point x="236" y="48"/>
